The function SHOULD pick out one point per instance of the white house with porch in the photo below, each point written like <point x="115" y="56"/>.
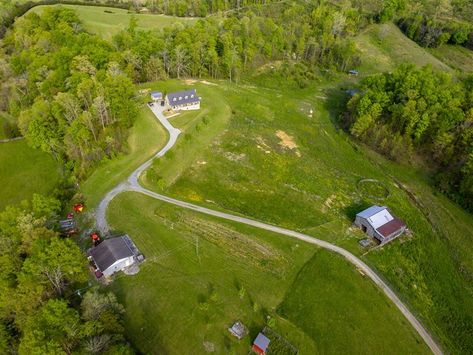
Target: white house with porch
<point x="183" y="100"/>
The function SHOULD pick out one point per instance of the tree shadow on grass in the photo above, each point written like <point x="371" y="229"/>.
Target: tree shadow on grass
<point x="336" y="102"/>
<point x="350" y="211"/>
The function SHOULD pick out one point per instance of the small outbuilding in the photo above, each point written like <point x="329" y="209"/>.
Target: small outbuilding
<point x="68" y="226"/>
<point x="156" y="96"/>
<point x="261" y="343"/>
<point x="238" y="330"/>
<point x="378" y="222"/>
<point x="183" y="100"/>
<point x="114" y="254"/>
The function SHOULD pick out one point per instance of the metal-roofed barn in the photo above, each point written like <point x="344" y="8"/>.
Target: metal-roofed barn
<point x="260" y="344"/>
<point x="183" y="100"/>
<point x="115" y="254"/>
<point x="378" y="222"/>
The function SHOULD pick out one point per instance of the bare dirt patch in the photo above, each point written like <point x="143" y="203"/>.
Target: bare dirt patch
<point x="286" y="140"/>
<point x="234" y="156"/>
<point x="193" y="81"/>
<point x="205" y="82"/>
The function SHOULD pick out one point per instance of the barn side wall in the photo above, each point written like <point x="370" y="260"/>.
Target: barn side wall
<point x="360" y="221"/>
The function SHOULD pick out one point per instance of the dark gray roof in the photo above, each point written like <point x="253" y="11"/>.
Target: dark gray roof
<point x="110" y="251"/>
<point x="183" y="97"/>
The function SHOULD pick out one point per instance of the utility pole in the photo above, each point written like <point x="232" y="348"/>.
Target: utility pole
<point x="197" y="248"/>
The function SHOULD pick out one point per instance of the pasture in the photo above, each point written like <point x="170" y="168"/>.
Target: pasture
<point x="201" y="274"/>
<point x="108" y="21"/>
<point x="25" y="171"/>
<point x="276" y="162"/>
<point x="457" y="57"/>
<point x="384" y="46"/>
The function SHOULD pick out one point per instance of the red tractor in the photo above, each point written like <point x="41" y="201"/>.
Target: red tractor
<point x="95" y="238"/>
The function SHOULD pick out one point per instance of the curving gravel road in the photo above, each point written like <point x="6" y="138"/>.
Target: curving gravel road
<point x="132" y="184"/>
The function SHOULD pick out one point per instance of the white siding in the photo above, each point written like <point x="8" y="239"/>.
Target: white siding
<point x="118" y="266"/>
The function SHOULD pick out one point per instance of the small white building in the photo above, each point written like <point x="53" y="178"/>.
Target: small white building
<point x="114" y="254"/>
<point x="379" y="223"/>
<point x="183" y="100"/>
<point x="156" y="96"/>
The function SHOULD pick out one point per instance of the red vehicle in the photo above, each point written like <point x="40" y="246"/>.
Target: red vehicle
<point x="78" y="207"/>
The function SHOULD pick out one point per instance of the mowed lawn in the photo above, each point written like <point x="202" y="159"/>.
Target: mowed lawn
<point x="201" y="274"/>
<point x="146" y="138"/>
<point x="331" y="302"/>
<point x="108" y="21"/>
<point x="199" y="129"/>
<point x="25" y="171"/>
<point x="276" y="162"/>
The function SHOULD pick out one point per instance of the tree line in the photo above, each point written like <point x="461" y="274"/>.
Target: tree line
<point x="314" y="34"/>
<point x="423" y="112"/>
<point x="40" y="274"/>
<point x="72" y="93"/>
<point x="429" y="32"/>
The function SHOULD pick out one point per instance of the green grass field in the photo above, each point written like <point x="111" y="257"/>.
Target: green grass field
<point x="198" y="129"/>
<point x="384" y="46"/>
<point x="146" y="138"/>
<point x="202" y="274"/>
<point x="25" y="171"/>
<point x="456" y="57"/>
<point x="107" y="21"/>
<point x="276" y="163"/>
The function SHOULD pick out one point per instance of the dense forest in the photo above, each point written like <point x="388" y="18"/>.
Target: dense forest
<point x="313" y="35"/>
<point x="429" y="32"/>
<point x="40" y="276"/>
<point x="66" y="89"/>
<point x="420" y="111"/>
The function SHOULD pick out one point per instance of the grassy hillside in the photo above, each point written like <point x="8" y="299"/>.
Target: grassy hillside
<point x="384" y="46"/>
<point x="25" y="171"/>
<point x="107" y="21"/>
<point x="146" y="138"/>
<point x="199" y="129"/>
<point x="457" y="57"/>
<point x="277" y="162"/>
<point x="202" y="274"/>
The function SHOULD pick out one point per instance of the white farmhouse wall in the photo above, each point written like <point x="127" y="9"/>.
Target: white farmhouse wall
<point x="118" y="266"/>
<point x="195" y="106"/>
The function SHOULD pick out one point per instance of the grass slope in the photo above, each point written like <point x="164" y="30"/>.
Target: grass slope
<point x="25" y="171"/>
<point x="384" y="46"/>
<point x="202" y="274"/>
<point x="199" y="129"/>
<point x="338" y="308"/>
<point x="276" y="163"/>
<point x="146" y="138"/>
<point x="457" y="57"/>
<point x="107" y="21"/>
